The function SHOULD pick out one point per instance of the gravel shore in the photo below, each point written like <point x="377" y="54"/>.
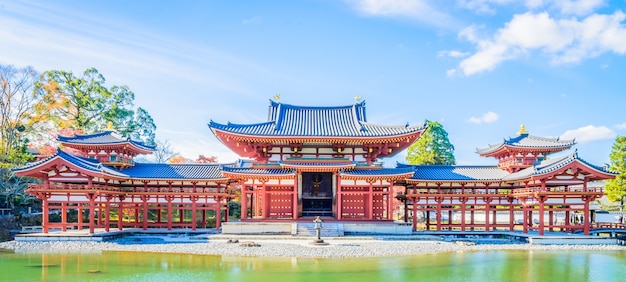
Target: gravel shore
<point x="289" y="248"/>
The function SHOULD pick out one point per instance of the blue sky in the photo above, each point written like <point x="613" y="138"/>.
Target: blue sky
<point x="480" y="67"/>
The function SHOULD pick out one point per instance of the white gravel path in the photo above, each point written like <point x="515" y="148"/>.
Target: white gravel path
<point x="290" y="248"/>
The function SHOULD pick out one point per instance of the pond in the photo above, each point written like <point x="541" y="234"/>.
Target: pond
<point x="454" y="266"/>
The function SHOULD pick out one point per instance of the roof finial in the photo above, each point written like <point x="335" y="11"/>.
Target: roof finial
<point x="522" y="130"/>
<point x="277" y="97"/>
<point x="357" y="98"/>
<point x="110" y="126"/>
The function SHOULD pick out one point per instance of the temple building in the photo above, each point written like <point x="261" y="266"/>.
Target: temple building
<point x="306" y="161"/>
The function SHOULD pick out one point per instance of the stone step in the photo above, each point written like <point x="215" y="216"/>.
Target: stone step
<point x="328" y="230"/>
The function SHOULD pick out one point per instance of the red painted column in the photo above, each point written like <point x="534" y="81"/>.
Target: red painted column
<point x="551" y="217"/>
<point x="370" y="201"/>
<point x="524" y="217"/>
<point x="169" y="199"/>
<point x="218" y="214"/>
<point x="541" y="215"/>
<point x="194" y="210"/>
<point x="92" y="212"/>
<point x="244" y="201"/>
<point x="45" y="213"/>
<point x="120" y="214"/>
<point x="64" y="216"/>
<point x="80" y="215"/>
<point x="107" y="211"/>
<point x="389" y="202"/>
<point x="586" y="216"/>
<point x="463" y="201"/>
<point x="511" y="215"/>
<point x="144" y="199"/>
<point x="414" y="200"/>
<point x="438" y="212"/>
<point x="294" y="200"/>
<point x="339" y="197"/>
<point x="265" y="211"/>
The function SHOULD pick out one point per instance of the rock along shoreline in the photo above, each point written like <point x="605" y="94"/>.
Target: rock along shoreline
<point x="344" y="248"/>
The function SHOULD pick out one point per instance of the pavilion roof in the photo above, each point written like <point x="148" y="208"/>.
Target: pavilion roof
<point x="552" y="165"/>
<point x="86" y="164"/>
<point x="286" y="120"/>
<point x="379" y="172"/>
<point x="526" y="141"/>
<point x="103" y="138"/>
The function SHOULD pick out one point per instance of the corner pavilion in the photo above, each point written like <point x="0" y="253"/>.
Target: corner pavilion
<point x="315" y="161"/>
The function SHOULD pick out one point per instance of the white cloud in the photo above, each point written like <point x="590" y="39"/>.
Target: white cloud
<point x="452" y="54"/>
<point x="252" y="20"/>
<point x="589" y="133"/>
<point x="488" y="117"/>
<point x="420" y="10"/>
<point x="620" y="126"/>
<point x="563" y="41"/>
<point x="482" y="6"/>
<point x="451" y="73"/>
<point x="578" y="7"/>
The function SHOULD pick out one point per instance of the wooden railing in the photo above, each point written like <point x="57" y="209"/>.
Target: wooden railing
<point x="576" y="189"/>
<point x="80" y="187"/>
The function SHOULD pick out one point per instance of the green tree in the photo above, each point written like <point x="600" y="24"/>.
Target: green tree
<point x="85" y="103"/>
<point x="17" y="121"/>
<point x="432" y="148"/>
<point x="616" y="188"/>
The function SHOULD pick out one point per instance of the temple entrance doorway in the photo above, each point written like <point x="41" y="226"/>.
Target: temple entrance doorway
<point x="317" y="194"/>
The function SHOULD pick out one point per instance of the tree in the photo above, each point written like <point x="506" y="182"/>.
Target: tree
<point x="163" y="152"/>
<point x="84" y="103"/>
<point x="432" y="148"/>
<point x="616" y="188"/>
<point x="16" y="113"/>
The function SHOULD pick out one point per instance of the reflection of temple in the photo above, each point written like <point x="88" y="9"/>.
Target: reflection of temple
<point x="316" y="161"/>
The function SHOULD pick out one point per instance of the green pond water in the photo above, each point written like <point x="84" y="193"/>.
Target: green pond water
<point x="457" y="266"/>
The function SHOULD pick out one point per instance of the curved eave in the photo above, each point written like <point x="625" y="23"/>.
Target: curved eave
<point x="252" y="175"/>
<point x="318" y="168"/>
<point x="389" y="176"/>
<point x="506" y="148"/>
<point x="461" y="181"/>
<point x="216" y="180"/>
<point x="591" y="173"/>
<point x="39" y="169"/>
<point x="99" y="146"/>
<point x="404" y="137"/>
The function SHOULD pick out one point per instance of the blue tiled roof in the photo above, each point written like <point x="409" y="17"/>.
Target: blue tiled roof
<point x="257" y="171"/>
<point x="84" y="163"/>
<point x="551" y="165"/>
<point x="102" y="138"/>
<point x="456" y="173"/>
<point x="528" y="141"/>
<point x="174" y="171"/>
<point x="341" y="121"/>
<point x="381" y="171"/>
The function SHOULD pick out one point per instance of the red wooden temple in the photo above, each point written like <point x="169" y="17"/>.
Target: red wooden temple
<point x="316" y="161"/>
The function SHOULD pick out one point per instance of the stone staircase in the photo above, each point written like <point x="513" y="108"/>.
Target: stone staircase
<point x="328" y="229"/>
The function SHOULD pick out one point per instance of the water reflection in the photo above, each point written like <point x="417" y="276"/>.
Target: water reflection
<point x="454" y="266"/>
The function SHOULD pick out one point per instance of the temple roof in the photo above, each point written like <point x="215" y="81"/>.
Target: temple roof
<point x="86" y="164"/>
<point x="526" y="141"/>
<point x="174" y="171"/>
<point x="295" y="121"/>
<point x="551" y="165"/>
<point x="456" y="173"/>
<point x="381" y="171"/>
<point x="103" y="138"/>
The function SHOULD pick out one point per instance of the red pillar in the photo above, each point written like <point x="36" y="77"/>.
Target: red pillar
<point x="586" y="216"/>
<point x="64" y="216"/>
<point x="370" y="201"/>
<point x="92" y="212"/>
<point x="169" y="199"/>
<point x="194" y="210"/>
<point x="487" y="216"/>
<point x="294" y="200"/>
<point x="218" y="214"/>
<point x="244" y="202"/>
<point x="107" y="211"/>
<point x="541" y="215"/>
<point x="80" y="215"/>
<point x="265" y="211"/>
<point x="414" y="201"/>
<point x="120" y="214"/>
<point x="144" y="199"/>
<point x="463" y="201"/>
<point x="45" y="212"/>
<point x="511" y="215"/>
